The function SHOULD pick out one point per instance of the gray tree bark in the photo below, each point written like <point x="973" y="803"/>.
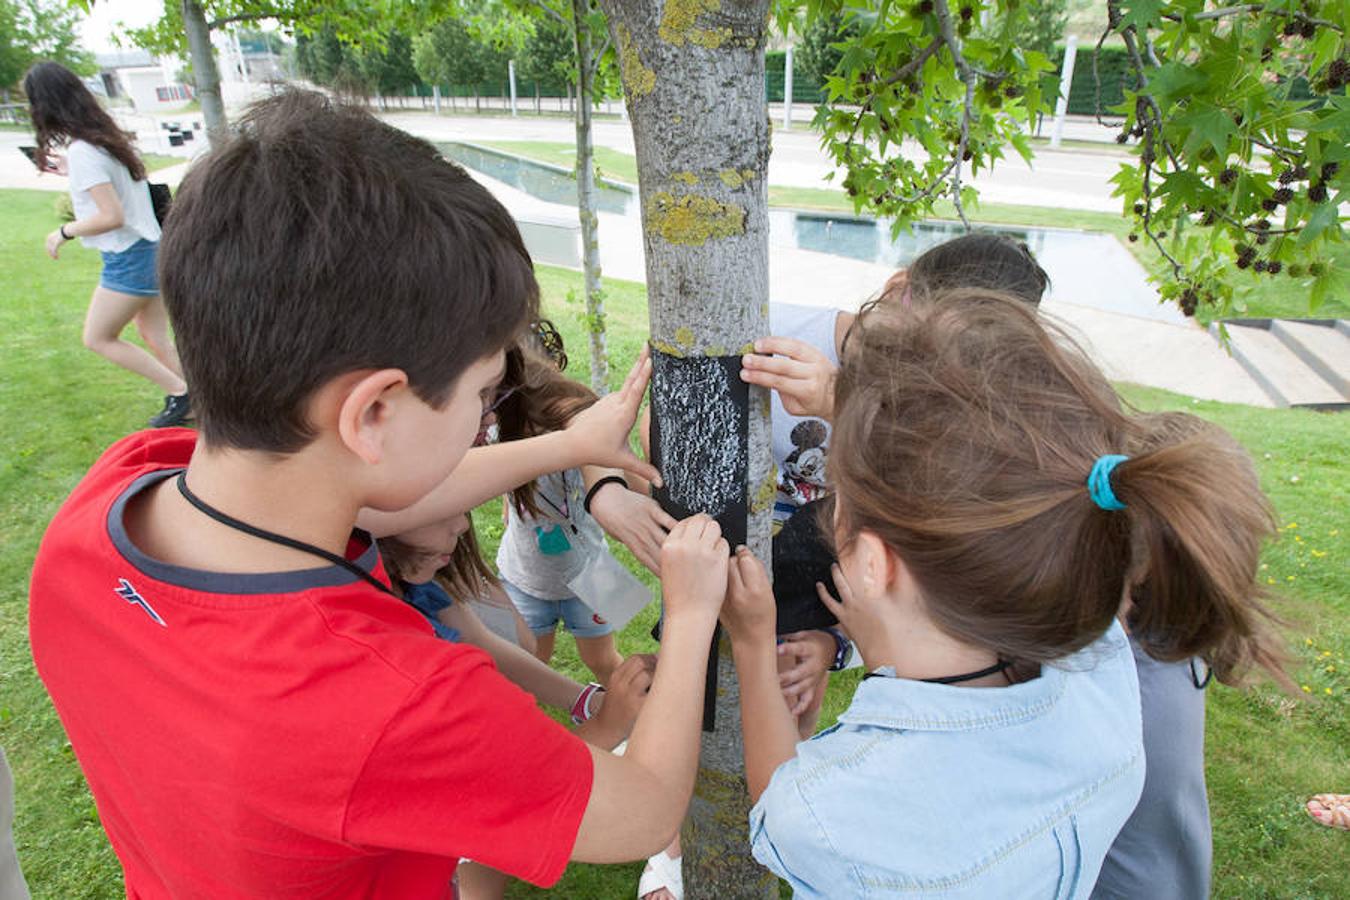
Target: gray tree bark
<point x="586" y="212"/>
<point x="205" y="75"/>
<point x="693" y="77"/>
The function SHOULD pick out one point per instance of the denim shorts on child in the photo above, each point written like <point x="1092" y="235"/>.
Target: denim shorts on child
<point x="131" y="271"/>
<point x="542" y="615"/>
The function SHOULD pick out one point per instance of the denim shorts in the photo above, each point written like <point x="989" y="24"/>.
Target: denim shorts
<point x="542" y="615"/>
<point x="131" y="271"/>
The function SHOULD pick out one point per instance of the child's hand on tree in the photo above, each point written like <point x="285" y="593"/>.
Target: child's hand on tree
<point x="621" y="702"/>
<point x="694" y="568"/>
<point x="749" y="615"/>
<point x="634" y="519"/>
<point x="600" y="433"/>
<point x="801" y="374"/>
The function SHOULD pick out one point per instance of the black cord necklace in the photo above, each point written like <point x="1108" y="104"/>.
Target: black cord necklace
<point x="1002" y="665"/>
<point x="225" y="519"/>
<point x="565" y="510"/>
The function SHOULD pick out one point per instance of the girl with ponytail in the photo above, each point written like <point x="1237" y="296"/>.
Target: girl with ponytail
<point x="998" y="516"/>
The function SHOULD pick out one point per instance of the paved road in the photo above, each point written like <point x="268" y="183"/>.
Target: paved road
<point x="1069" y="179"/>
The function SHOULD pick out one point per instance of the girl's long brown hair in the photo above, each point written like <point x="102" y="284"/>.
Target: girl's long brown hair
<point x="466" y="577"/>
<point x="64" y="110"/>
<point x="544" y="400"/>
<point x="965" y="431"/>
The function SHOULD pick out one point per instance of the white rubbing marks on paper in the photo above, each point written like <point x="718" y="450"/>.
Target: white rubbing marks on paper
<point x="703" y="455"/>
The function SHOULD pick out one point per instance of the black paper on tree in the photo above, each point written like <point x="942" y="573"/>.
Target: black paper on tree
<point x="700" y="425"/>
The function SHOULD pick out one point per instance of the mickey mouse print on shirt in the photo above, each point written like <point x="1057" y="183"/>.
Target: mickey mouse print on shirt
<point x="802" y="478"/>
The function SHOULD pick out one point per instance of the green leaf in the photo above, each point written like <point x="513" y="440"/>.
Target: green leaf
<point x="1175" y="80"/>
<point x="1141" y="14"/>
<point x="1206" y="123"/>
<point x="1324" y="49"/>
<point x="1322" y="218"/>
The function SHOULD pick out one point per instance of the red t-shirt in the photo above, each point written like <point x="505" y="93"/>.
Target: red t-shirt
<point x="295" y="734"/>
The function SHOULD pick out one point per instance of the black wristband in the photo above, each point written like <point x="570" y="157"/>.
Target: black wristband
<point x="65" y="236"/>
<point x="590" y="495"/>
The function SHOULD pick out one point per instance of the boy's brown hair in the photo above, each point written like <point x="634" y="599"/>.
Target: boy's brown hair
<point x="982" y="259"/>
<point x="964" y="435"/>
<point x="319" y="241"/>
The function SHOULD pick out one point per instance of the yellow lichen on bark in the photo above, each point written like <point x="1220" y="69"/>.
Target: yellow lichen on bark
<point x="731" y="178"/>
<point x="764" y="496"/>
<point x="688" y="178"/>
<point x="637" y="78"/>
<point x="684" y="336"/>
<point x="667" y="348"/>
<point x="677" y="24"/>
<point x="693" y="219"/>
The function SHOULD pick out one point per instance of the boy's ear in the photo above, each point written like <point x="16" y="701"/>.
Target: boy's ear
<point x="365" y="408"/>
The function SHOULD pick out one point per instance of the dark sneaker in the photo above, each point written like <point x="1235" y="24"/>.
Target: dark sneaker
<point x="177" y="410"/>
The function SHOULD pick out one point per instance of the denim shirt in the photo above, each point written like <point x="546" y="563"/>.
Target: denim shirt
<point x="930" y="790"/>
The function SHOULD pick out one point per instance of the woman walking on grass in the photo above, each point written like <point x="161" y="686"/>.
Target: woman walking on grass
<point x="114" y="215"/>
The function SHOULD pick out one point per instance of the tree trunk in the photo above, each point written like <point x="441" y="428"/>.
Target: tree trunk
<point x="586" y="211"/>
<point x="694" y="84"/>
<point x="205" y="75"/>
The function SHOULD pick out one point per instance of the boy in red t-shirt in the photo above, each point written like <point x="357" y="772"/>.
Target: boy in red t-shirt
<point x="256" y="715"/>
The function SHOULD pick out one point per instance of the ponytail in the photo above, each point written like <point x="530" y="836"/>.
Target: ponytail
<point x="1198" y="519"/>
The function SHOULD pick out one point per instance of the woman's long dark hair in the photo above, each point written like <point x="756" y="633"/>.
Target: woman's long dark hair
<point x="64" y="110"/>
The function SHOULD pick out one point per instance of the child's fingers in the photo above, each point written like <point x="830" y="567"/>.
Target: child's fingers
<point x="629" y="462"/>
<point x="841" y="583"/>
<point x="783" y="384"/>
<point x="638" y="376"/>
<point x="752" y="572"/>
<point x="735" y="584"/>
<point x="776" y="365"/>
<point x="709" y="531"/>
<point x="799" y="701"/>
<point x="661" y="518"/>
<point x="786" y="346"/>
<point x="834" y="606"/>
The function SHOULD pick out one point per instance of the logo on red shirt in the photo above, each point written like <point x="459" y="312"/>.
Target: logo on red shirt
<point x="130" y="594"/>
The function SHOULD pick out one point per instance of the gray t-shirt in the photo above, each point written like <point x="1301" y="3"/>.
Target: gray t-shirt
<point x="1164" y="850"/>
<point x="540" y="554"/>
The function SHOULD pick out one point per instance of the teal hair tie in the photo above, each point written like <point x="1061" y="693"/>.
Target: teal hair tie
<point x="1099" y="482"/>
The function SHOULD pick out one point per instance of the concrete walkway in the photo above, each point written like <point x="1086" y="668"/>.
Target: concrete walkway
<point x="1147" y="345"/>
<point x="1163" y="349"/>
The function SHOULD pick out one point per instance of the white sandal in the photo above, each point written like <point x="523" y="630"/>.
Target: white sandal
<point x="662" y="871"/>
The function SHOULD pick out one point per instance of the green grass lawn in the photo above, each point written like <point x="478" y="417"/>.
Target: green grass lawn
<point x="62" y="406"/>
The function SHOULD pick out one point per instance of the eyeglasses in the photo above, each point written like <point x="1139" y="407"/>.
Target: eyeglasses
<point x="502" y="395"/>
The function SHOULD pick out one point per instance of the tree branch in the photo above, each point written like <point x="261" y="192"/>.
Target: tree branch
<point x="968" y="74"/>
<point x="549" y="11"/>
<point x="1226" y="11"/>
<point x="251" y="17"/>
<point x="916" y="63"/>
<point x="598" y="55"/>
<point x="1113" y="18"/>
